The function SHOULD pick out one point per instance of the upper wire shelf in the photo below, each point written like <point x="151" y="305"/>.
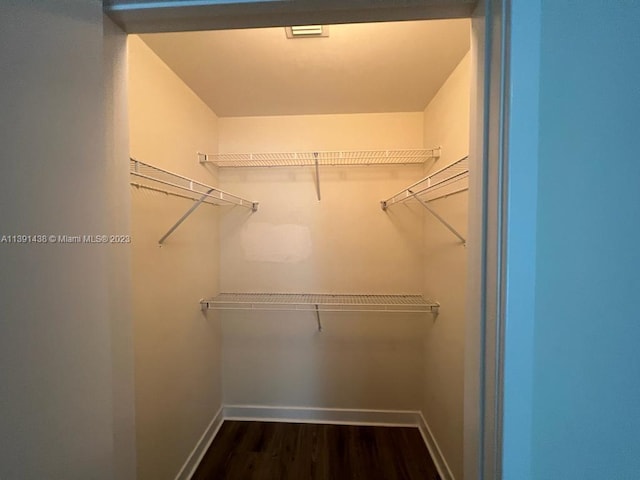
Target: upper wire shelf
<point x="150" y="176"/>
<point x="433" y="183"/>
<point x="320" y="302"/>
<point x="326" y="158"/>
<point x="432" y="187"/>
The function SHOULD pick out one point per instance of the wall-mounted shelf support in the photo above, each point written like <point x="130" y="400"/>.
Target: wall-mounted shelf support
<point x="318" y="302"/>
<point x="184" y="217"/>
<point x="442" y="220"/>
<point x="180" y="186"/>
<point x="315" y="155"/>
<point x="430" y="187"/>
<point x="318" y="319"/>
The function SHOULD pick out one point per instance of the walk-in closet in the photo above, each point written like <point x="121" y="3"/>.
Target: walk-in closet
<point x="299" y="241"/>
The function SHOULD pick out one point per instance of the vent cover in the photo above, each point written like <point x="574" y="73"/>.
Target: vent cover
<point x="307" y="31"/>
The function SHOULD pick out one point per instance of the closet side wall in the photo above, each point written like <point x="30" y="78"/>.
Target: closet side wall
<point x="343" y="243"/>
<point x="446" y="122"/>
<point x="56" y="383"/>
<point x="177" y="348"/>
<point x="119" y="262"/>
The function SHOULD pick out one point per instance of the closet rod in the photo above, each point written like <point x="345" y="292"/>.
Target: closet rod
<point x="166" y="192"/>
<point x="440" y="184"/>
<point x="209" y="199"/>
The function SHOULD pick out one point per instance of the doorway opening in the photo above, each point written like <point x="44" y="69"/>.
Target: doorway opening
<point x="310" y="241"/>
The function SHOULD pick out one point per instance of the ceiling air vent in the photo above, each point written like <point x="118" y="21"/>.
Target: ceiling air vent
<point x="307" y="31"/>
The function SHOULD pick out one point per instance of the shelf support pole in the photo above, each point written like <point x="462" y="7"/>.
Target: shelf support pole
<point x="442" y="220"/>
<point x="184" y="217"/>
<point x="318" y="319"/>
<point x="315" y="156"/>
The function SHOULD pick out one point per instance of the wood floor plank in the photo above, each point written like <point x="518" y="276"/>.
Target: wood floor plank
<point x="293" y="451"/>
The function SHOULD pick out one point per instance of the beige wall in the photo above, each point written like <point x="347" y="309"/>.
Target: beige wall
<point x="344" y="243"/>
<point x="119" y="260"/>
<point x="321" y="132"/>
<point x="446" y="122"/>
<point x="59" y="415"/>
<point x="177" y="348"/>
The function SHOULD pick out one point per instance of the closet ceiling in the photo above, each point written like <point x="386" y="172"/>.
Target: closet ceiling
<point x="359" y="68"/>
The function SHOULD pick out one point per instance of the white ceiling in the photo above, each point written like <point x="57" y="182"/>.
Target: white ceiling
<point x="359" y="68"/>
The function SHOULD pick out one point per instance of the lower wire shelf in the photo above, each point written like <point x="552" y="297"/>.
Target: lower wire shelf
<point x="321" y="302"/>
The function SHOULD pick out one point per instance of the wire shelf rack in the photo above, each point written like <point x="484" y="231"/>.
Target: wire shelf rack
<point x="432" y="187"/>
<point x="432" y="183"/>
<point x="160" y="180"/>
<point x="326" y="158"/>
<point x="320" y="302"/>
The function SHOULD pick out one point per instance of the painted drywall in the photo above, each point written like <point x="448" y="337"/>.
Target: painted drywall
<point x="586" y="387"/>
<point x="524" y="85"/>
<point x="305" y="133"/>
<point x="446" y="123"/>
<point x="343" y="243"/>
<point x="52" y="395"/>
<point x="352" y="69"/>
<point x="177" y="348"/>
<point x="119" y="260"/>
<point x="56" y="384"/>
<point x="473" y="350"/>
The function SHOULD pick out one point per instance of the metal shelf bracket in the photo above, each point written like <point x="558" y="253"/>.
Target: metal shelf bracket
<point x="318" y="319"/>
<point x="315" y="156"/>
<point x="184" y="217"/>
<point x="431" y="185"/>
<point x="173" y="184"/>
<point x="442" y="220"/>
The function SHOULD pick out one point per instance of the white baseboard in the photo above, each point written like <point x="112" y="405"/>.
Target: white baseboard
<point x="338" y="416"/>
<point x="434" y="449"/>
<point x="194" y="459"/>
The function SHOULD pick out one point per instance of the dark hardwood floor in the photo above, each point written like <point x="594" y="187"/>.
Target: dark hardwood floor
<point x="298" y="451"/>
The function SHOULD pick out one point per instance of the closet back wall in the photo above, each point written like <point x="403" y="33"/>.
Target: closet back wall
<point x="177" y="348"/>
<point x="343" y="243"/>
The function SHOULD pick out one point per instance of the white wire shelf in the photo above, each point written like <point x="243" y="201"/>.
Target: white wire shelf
<point x="326" y="158"/>
<point x="433" y="182"/>
<point x="159" y="180"/>
<point x="432" y="187"/>
<point x="153" y="178"/>
<point x="319" y="302"/>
